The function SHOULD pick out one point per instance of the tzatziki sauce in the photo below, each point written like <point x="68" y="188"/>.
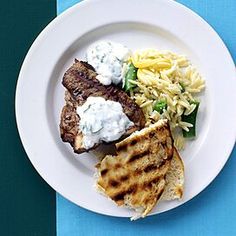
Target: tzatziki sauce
<point x="102" y="120"/>
<point x="109" y="60"/>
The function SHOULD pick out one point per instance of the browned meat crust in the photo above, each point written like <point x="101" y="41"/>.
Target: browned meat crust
<point x="80" y="82"/>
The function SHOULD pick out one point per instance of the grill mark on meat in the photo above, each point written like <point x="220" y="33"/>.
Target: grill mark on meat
<point x="77" y="92"/>
<point x="138" y="156"/>
<point x="81" y="74"/>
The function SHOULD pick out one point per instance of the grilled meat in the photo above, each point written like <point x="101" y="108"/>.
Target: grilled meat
<point x="81" y="83"/>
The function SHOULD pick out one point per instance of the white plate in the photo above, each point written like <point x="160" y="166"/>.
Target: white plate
<point x="161" y="24"/>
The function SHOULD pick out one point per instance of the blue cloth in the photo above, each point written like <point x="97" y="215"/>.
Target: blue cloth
<point x="212" y="212"/>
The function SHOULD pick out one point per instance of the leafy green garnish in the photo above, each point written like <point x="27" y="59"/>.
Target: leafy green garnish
<point x="160" y="106"/>
<point x="130" y="75"/>
<point x="191" y="118"/>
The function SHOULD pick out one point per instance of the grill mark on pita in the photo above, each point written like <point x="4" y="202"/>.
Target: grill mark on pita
<point x="152" y="134"/>
<point x="163" y="129"/>
<point x="137" y="172"/>
<point x="149" y="176"/>
<point x="157" y="179"/>
<point x="120" y="196"/>
<point x="114" y="183"/>
<point x="150" y="168"/>
<point x="133" y="142"/>
<point x="124" y="146"/>
<point x="124" y="178"/>
<point x="138" y="156"/>
<point x="148" y="184"/>
<point x="117" y="166"/>
<point x="103" y="172"/>
<point x="133" y="188"/>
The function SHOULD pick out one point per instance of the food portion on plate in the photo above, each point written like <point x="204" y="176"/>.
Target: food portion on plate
<point x="143" y="171"/>
<point x="109" y="60"/>
<point x="95" y="112"/>
<point x="142" y="103"/>
<point x="165" y="87"/>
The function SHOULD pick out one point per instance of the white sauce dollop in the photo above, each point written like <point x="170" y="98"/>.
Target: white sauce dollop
<point x="108" y="59"/>
<point x="102" y="120"/>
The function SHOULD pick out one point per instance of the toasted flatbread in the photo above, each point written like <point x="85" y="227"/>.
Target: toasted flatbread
<point x="174" y="179"/>
<point x="174" y="187"/>
<point x="135" y="177"/>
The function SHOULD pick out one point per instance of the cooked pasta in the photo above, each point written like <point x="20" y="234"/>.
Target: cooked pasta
<point x="169" y="77"/>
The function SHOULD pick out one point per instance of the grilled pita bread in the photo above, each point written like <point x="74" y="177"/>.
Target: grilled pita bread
<point x="174" y="179"/>
<point x="135" y="177"/>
